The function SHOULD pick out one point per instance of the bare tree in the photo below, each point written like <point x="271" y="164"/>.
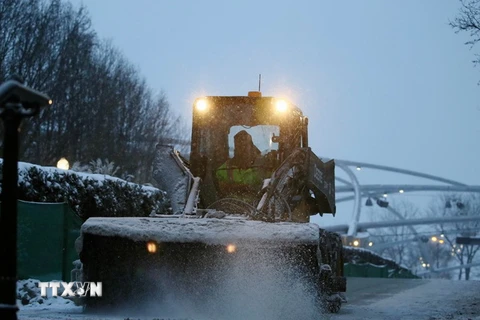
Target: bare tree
<point x="453" y="205"/>
<point x="398" y="243"/>
<point x="468" y="20"/>
<point x="103" y="108"/>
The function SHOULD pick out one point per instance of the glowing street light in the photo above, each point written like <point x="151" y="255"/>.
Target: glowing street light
<point x="438" y="241"/>
<point x="63" y="164"/>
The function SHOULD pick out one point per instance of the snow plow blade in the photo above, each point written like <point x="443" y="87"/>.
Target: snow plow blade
<point x="143" y="259"/>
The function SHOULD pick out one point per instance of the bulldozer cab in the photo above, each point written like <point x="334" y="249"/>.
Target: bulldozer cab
<point x="237" y="142"/>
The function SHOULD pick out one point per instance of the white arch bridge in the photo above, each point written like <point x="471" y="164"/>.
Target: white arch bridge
<point x="356" y="233"/>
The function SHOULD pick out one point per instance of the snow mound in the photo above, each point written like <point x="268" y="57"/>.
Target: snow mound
<point x="206" y="230"/>
<point x="28" y="295"/>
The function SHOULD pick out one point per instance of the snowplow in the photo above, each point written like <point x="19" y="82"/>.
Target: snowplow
<point x="238" y="232"/>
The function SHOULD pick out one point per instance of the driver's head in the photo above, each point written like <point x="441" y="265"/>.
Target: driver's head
<point x="245" y="151"/>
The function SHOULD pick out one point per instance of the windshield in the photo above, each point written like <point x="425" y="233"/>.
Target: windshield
<point x="261" y="137"/>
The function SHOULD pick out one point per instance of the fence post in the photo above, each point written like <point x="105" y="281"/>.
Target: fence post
<point x="65" y="242"/>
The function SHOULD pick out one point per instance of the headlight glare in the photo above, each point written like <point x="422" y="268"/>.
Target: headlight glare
<point x="281" y="105"/>
<point x="201" y="105"/>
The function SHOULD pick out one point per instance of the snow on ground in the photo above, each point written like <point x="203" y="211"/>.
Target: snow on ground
<point x="29" y="299"/>
<point x="438" y="299"/>
<point x="416" y="299"/>
<point x="433" y="299"/>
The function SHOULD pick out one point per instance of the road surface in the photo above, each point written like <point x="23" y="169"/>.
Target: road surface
<point x="368" y="298"/>
<point x="375" y="298"/>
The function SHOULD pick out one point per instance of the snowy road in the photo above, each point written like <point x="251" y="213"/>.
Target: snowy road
<point x="369" y="298"/>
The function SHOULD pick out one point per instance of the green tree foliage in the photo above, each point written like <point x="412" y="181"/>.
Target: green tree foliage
<point x="102" y="108"/>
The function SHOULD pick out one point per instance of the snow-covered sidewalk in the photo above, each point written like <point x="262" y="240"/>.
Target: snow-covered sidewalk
<point x="433" y="299"/>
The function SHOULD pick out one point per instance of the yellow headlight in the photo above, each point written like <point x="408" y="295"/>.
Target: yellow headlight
<point x="201" y="105"/>
<point x="151" y="247"/>
<point x="356" y="243"/>
<point x="231" y="248"/>
<point x="281" y="105"/>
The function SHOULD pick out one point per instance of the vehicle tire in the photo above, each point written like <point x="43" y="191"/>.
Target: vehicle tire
<point x="333" y="306"/>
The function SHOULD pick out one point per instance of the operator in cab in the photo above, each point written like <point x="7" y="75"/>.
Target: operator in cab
<point x="241" y="176"/>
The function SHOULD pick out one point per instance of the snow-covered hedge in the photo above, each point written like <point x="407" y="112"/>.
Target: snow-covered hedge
<point x="89" y="195"/>
<point x="360" y="256"/>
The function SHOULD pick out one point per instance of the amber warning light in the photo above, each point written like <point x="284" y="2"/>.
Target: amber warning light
<point x="231" y="248"/>
<point x="255" y="94"/>
<point x="151" y="247"/>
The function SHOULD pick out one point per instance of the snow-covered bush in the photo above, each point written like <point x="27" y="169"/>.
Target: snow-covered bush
<point x="102" y="167"/>
<point x="89" y="195"/>
<point x="364" y="256"/>
<point x="97" y="166"/>
<point x="28" y="293"/>
<point x="361" y="255"/>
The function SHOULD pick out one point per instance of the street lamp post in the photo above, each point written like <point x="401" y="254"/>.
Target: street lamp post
<point x="16" y="102"/>
<point x="438" y="241"/>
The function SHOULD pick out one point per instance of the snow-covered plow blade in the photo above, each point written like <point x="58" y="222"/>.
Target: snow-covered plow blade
<point x="144" y="262"/>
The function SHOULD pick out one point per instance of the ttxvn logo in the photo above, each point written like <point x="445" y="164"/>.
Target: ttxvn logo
<point x="71" y="289"/>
